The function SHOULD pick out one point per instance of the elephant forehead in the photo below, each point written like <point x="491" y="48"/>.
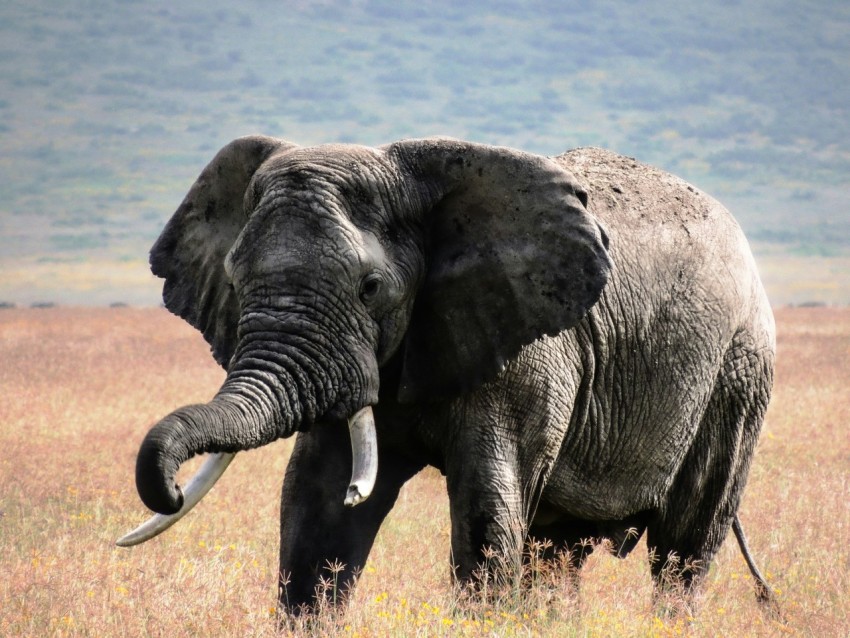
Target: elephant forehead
<point x="295" y="237"/>
<point x="331" y="153"/>
<point x="355" y="176"/>
<point x="319" y="166"/>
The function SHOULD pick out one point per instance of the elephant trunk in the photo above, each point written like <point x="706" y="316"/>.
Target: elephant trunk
<point x="229" y="423"/>
<point x="280" y="380"/>
<point x="364" y="471"/>
<point x="273" y="388"/>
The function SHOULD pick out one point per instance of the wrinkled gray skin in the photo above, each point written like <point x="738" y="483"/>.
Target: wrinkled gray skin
<point x="580" y="344"/>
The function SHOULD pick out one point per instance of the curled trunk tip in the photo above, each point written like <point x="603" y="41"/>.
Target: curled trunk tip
<point x="196" y="489"/>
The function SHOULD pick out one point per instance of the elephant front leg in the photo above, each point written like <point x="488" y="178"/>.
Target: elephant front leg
<point x="323" y="543"/>
<point x="488" y="518"/>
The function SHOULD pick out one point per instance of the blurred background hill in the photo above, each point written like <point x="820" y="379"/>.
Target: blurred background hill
<point x="109" y="110"/>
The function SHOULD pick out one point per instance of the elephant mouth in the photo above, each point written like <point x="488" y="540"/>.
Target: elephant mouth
<point x="364" y="472"/>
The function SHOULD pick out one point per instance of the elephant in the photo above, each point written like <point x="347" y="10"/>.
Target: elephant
<point x="581" y="344"/>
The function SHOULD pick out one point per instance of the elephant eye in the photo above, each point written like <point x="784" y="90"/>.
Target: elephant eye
<point x="370" y="287"/>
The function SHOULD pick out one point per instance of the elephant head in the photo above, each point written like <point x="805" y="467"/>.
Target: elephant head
<point x="307" y="269"/>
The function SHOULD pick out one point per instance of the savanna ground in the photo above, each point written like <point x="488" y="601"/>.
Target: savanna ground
<point x="80" y="387"/>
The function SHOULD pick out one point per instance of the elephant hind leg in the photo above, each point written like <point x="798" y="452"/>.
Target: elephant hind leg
<point x="703" y="501"/>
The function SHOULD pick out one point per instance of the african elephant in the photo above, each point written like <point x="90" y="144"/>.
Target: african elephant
<point x="580" y="344"/>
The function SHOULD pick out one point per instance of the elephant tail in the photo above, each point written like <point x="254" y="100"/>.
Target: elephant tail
<point x="764" y="594"/>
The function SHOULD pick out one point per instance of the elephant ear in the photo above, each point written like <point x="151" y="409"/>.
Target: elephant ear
<point x="513" y="254"/>
<point x="190" y="252"/>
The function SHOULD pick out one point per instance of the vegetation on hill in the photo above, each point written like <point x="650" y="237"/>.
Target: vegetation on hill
<point x="108" y="110"/>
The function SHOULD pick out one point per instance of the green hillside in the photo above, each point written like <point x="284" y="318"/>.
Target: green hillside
<point x="109" y="109"/>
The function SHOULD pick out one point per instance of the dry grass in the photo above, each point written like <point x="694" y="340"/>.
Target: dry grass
<point x="80" y="387"/>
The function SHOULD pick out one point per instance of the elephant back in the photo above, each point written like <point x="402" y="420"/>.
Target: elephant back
<point x="670" y="242"/>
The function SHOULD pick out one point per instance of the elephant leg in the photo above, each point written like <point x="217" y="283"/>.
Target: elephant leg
<point x="488" y="515"/>
<point x="487" y="533"/>
<point x="323" y="543"/>
<point x="497" y="461"/>
<point x="706" y="493"/>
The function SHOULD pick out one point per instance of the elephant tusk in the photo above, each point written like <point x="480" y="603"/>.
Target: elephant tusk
<point x="196" y="489"/>
<point x="364" y="456"/>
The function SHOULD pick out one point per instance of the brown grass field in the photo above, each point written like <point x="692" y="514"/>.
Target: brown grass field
<point x="80" y="387"/>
